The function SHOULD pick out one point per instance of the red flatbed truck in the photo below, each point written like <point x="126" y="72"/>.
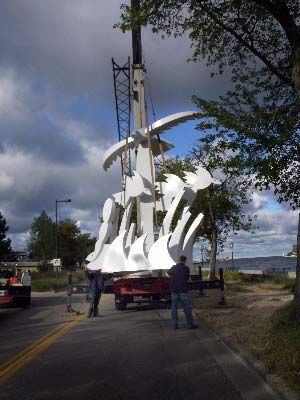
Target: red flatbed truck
<point x="141" y="290"/>
<point x="157" y="289"/>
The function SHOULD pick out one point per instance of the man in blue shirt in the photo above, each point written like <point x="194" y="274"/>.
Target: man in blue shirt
<point x="179" y="274"/>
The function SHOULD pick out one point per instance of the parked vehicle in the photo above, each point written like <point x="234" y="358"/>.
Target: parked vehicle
<point x="141" y="290"/>
<point x="157" y="289"/>
<point x="15" y="287"/>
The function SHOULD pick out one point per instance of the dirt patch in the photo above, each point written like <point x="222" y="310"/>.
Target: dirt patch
<point x="247" y="319"/>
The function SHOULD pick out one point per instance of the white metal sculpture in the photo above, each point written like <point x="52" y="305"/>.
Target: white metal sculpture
<point x="120" y="248"/>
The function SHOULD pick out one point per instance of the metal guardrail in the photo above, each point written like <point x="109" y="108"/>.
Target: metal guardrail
<point x="196" y="283"/>
<point x="80" y="288"/>
<point x="212" y="284"/>
<point x="84" y="288"/>
<point x="19" y="264"/>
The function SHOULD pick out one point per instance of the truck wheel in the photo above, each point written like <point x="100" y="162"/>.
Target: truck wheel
<point x="27" y="301"/>
<point x="18" y="302"/>
<point x="156" y="297"/>
<point x="120" y="303"/>
<point x="121" y="306"/>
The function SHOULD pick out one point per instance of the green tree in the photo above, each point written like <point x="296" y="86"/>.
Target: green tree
<point x="222" y="205"/>
<point x="73" y="246"/>
<point x="263" y="34"/>
<point x="68" y="237"/>
<point x="259" y="40"/>
<point x="85" y="245"/>
<point x="5" y="242"/>
<point x="41" y="243"/>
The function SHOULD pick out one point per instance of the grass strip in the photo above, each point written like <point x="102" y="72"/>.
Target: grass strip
<point x="282" y="351"/>
<point x="46" y="281"/>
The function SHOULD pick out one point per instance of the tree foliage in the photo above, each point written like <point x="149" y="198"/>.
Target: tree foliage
<point x="73" y="246"/>
<point x="238" y="33"/>
<point x="258" y="121"/>
<point x="5" y="242"/>
<point x="259" y="41"/>
<point x="261" y="138"/>
<point x="41" y="243"/>
<point x="222" y="205"/>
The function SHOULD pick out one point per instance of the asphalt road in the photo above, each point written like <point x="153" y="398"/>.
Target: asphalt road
<point x="132" y="354"/>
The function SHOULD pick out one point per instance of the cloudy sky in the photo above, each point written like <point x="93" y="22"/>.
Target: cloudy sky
<point x="57" y="115"/>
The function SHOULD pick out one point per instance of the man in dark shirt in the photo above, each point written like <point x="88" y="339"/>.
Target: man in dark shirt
<point x="179" y="274"/>
<point x="95" y="290"/>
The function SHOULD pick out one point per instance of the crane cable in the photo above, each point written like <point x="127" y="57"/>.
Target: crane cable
<point x="162" y="153"/>
<point x="125" y="158"/>
<point x="151" y="162"/>
<point x="154" y="118"/>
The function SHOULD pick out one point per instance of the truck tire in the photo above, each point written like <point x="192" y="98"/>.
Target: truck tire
<point x="18" y="301"/>
<point x="121" y="306"/>
<point x="120" y="303"/>
<point x="27" y="301"/>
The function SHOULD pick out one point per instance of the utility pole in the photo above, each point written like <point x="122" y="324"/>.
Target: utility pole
<point x="143" y="159"/>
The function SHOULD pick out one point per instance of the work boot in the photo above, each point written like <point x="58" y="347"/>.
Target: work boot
<point x="96" y="312"/>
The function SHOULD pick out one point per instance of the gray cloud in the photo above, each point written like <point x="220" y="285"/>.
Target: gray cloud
<point x="70" y="44"/>
<point x="57" y="110"/>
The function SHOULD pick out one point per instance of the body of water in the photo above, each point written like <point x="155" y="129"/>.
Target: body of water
<point x="258" y="263"/>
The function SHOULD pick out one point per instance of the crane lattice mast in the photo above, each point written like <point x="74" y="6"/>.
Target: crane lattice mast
<point x="123" y="107"/>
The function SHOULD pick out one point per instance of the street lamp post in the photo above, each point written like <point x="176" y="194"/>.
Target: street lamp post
<point x="201" y="291"/>
<point x="232" y="262"/>
<point x="56" y="235"/>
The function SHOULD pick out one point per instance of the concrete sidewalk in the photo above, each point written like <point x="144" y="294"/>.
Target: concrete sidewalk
<point x="247" y="380"/>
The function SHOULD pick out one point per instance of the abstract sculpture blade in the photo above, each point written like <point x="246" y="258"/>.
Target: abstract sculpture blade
<point x="200" y="179"/>
<point x="118" y="249"/>
<point x="166" y="225"/>
<point x="130" y="238"/>
<point x="134" y="187"/>
<point x="137" y="259"/>
<point x="115" y="257"/>
<point x="118" y="149"/>
<point x="125" y="224"/>
<point x="189" y="239"/>
<point x="175" y="244"/>
<point x="164" y="124"/>
<point x="106" y="228"/>
<point x="168" y="190"/>
<point x="159" y="255"/>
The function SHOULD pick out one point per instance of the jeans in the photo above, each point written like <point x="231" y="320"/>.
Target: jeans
<point x="185" y="301"/>
<point x="93" y="311"/>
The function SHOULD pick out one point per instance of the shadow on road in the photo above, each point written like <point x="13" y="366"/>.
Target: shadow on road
<point x="146" y="307"/>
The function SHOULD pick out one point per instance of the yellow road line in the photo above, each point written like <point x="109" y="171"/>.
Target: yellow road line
<point x="32" y="346"/>
<point x="14" y="364"/>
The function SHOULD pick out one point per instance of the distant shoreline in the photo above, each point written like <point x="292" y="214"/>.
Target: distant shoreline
<point x="256" y="264"/>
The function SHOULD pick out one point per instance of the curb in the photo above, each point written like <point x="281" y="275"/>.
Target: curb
<point x="285" y="393"/>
